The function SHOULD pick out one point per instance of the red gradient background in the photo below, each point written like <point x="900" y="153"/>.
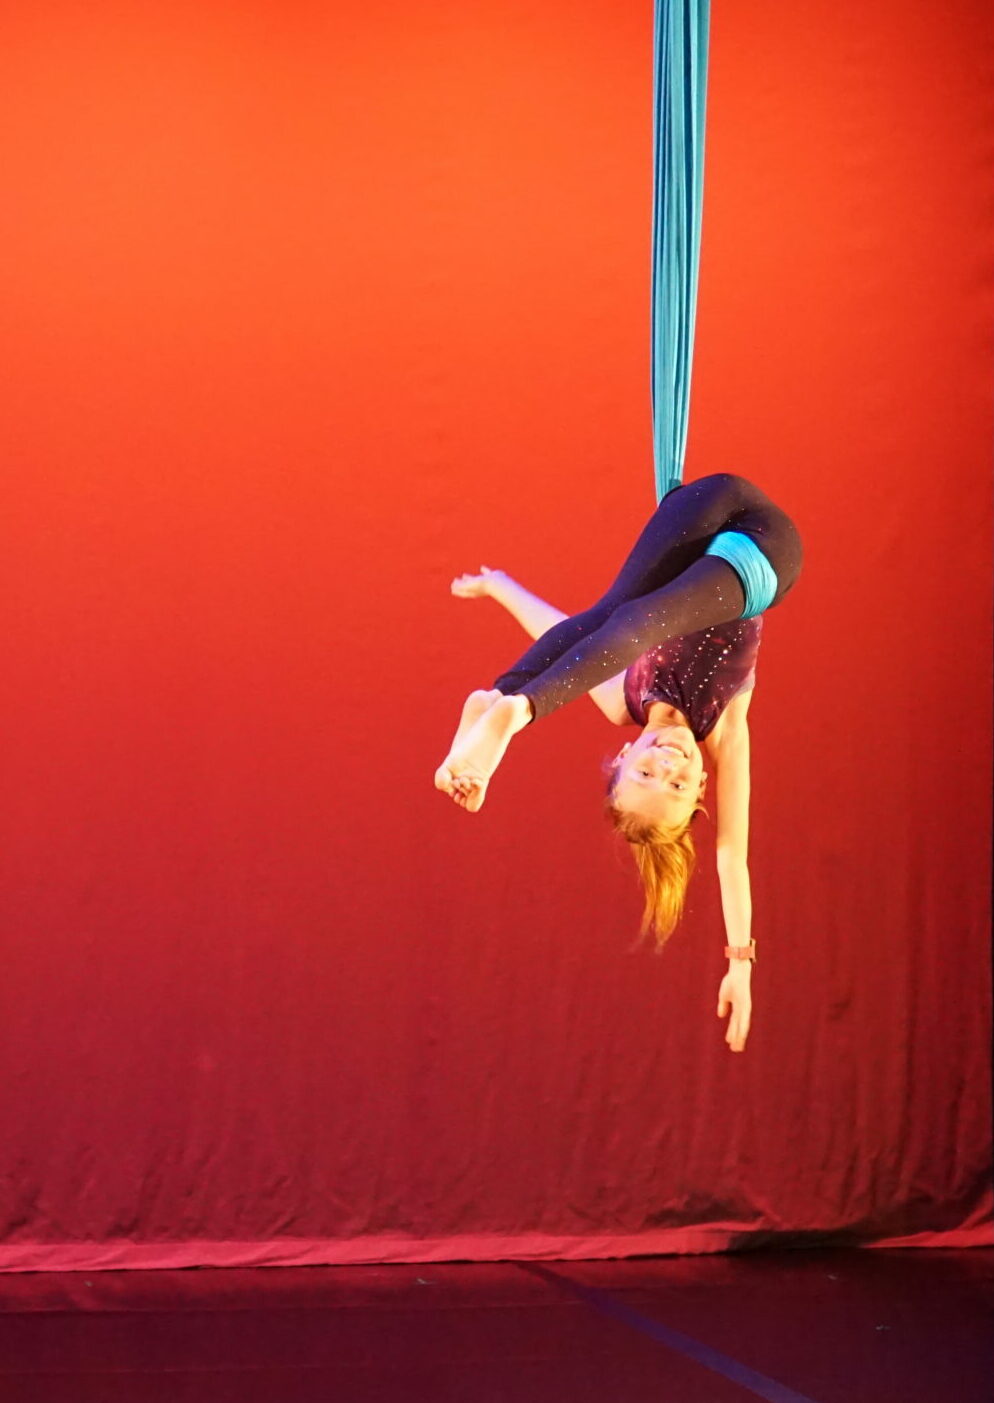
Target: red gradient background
<point x="308" y="308"/>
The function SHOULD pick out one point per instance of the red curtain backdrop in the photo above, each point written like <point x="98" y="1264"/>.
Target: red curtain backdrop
<point x="308" y="308"/>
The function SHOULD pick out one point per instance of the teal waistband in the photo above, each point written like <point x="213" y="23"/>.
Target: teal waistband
<point x="759" y="579"/>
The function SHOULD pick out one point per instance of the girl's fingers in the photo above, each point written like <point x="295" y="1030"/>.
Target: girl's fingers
<point x="738" y="1034"/>
<point x="738" y="1024"/>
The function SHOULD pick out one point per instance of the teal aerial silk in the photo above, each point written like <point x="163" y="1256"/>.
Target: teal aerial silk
<point x="756" y="574"/>
<point x="679" y="85"/>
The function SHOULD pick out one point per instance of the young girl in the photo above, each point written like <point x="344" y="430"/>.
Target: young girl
<point x="670" y="647"/>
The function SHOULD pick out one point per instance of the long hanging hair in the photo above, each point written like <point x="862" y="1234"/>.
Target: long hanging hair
<point x="665" y="858"/>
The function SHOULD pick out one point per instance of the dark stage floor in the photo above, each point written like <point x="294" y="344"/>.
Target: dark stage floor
<point x="792" y="1327"/>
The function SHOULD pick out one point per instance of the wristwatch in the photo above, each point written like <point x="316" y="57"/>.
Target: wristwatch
<point x="741" y="952"/>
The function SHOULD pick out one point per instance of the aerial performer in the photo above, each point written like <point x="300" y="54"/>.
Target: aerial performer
<point x="670" y="648"/>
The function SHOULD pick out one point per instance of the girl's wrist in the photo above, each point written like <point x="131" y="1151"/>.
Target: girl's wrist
<point x="741" y="955"/>
<point x="496" y="582"/>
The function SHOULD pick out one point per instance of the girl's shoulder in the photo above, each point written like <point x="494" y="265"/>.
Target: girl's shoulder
<point x="730" y="723"/>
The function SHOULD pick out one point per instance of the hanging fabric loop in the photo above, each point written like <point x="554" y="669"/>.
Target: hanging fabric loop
<point x="680" y="53"/>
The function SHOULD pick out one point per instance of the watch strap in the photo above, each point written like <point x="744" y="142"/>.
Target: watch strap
<point x="741" y="952"/>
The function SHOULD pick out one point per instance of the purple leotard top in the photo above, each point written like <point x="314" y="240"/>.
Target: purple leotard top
<point x="699" y="673"/>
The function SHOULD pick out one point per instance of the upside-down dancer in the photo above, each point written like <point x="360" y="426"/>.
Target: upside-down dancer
<point x="671" y="647"/>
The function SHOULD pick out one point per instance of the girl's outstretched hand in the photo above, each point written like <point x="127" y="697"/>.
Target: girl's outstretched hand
<point x="735" y="995"/>
<point x="476" y="586"/>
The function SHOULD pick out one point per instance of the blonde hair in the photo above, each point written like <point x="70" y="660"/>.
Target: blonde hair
<point x="665" y="858"/>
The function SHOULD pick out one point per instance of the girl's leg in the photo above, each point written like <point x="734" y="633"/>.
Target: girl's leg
<point x="668" y="587"/>
<point x="709" y="592"/>
<point x="674" y="537"/>
<point x="678" y="533"/>
<point x="706" y="593"/>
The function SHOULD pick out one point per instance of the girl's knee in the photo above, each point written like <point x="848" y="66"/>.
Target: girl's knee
<point x="725" y="483"/>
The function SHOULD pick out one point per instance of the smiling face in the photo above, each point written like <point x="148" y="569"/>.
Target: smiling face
<point x="660" y="777"/>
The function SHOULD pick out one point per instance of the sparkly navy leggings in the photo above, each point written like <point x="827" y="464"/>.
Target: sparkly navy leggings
<point x="666" y="588"/>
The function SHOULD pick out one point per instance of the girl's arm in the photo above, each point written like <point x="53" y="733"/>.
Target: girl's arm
<point x="536" y="617"/>
<point x="731" y="761"/>
<point x="730" y="758"/>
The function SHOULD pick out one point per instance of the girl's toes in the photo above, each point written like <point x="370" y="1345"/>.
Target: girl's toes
<point x="444" y="779"/>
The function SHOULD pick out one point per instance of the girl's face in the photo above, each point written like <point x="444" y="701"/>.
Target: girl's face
<point x="660" y="776"/>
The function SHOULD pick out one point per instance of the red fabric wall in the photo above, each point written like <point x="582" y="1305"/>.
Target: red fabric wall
<point x="308" y="309"/>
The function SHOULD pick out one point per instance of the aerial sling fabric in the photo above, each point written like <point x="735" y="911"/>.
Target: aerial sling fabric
<point x="680" y="64"/>
<point x="680" y="54"/>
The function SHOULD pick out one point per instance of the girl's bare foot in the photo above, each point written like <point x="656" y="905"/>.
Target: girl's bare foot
<point x="473" y="708"/>
<point x="471" y="764"/>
